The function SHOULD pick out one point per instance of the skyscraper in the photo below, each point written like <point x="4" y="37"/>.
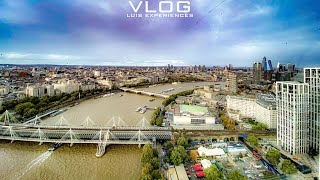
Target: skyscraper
<point x="264" y="64"/>
<point x="257" y="72"/>
<point x="267" y="69"/>
<point x="292" y="116"/>
<point x="291" y="67"/>
<point x="312" y="77"/>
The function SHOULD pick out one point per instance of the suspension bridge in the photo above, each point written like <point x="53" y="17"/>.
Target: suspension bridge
<point x="115" y="131"/>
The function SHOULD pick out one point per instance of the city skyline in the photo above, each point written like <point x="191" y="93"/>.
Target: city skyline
<point x="99" y="33"/>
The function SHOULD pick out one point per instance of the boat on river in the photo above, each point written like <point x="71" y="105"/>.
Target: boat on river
<point x="55" y="146"/>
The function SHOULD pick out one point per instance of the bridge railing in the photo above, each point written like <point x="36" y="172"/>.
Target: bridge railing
<point x="69" y="135"/>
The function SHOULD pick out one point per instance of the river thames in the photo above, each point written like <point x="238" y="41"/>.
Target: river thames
<point x="28" y="160"/>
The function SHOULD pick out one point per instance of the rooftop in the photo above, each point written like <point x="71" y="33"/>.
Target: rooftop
<point x="193" y="109"/>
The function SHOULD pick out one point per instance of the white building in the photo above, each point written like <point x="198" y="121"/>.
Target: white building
<point x="202" y="151"/>
<point x="97" y="73"/>
<point x="4" y="90"/>
<point x="67" y="87"/>
<point x="312" y="77"/>
<point x="206" y="92"/>
<point x="85" y="87"/>
<point x="39" y="90"/>
<point x="262" y="108"/>
<point x="292" y="116"/>
<point x="192" y="115"/>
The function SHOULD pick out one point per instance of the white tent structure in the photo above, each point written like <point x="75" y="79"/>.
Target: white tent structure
<point x="202" y="151"/>
<point x="205" y="163"/>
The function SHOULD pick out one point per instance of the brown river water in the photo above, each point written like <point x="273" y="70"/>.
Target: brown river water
<point x="29" y="160"/>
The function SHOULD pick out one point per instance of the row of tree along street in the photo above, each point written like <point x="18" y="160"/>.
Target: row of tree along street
<point x="170" y="80"/>
<point x="157" y="117"/>
<point x="150" y="164"/>
<point x="173" y="97"/>
<point x="30" y="106"/>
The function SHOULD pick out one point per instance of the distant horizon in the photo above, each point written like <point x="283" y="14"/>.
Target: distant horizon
<point x="235" y="67"/>
<point x="99" y="32"/>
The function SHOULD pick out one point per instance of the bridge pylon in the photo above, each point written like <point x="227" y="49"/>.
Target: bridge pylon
<point x="143" y="124"/>
<point x="62" y="122"/>
<point x="71" y="136"/>
<point x="114" y="123"/>
<point x="7" y="118"/>
<point x="11" y="133"/>
<point x="39" y="134"/>
<point x="140" y="138"/>
<point x="88" y="122"/>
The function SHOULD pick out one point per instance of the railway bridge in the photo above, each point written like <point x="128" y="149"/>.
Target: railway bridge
<point x="114" y="132"/>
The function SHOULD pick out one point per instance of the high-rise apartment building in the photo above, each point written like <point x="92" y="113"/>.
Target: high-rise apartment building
<point x="231" y="83"/>
<point x="312" y="78"/>
<point x="292" y="99"/>
<point x="257" y="72"/>
<point x="262" y="108"/>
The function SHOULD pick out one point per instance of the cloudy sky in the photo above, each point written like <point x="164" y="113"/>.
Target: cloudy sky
<point x="97" y="32"/>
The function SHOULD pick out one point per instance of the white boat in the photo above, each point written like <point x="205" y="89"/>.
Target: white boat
<point x="138" y="109"/>
<point x="58" y="112"/>
<point x="143" y="110"/>
<point x="108" y="95"/>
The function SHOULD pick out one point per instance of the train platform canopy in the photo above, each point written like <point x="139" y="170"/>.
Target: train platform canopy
<point x="202" y="151"/>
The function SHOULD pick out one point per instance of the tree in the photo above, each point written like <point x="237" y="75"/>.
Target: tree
<point x="260" y="126"/>
<point x="253" y="140"/>
<point x="156" y="174"/>
<point x="273" y="156"/>
<point x="173" y="97"/>
<point x="155" y="163"/>
<point x="155" y="115"/>
<point x="228" y="122"/>
<point x="159" y="121"/>
<point x="151" y="163"/>
<point x="240" y="155"/>
<point x="147" y="169"/>
<point x="213" y="173"/>
<point x="30" y="112"/>
<point x="147" y="154"/>
<point x="176" y="158"/>
<point x="182" y="152"/>
<point x="288" y="167"/>
<point x="236" y="175"/>
<point x="194" y="155"/>
<point x="146" y="177"/>
<point x="182" y="142"/>
<point x="23" y="108"/>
